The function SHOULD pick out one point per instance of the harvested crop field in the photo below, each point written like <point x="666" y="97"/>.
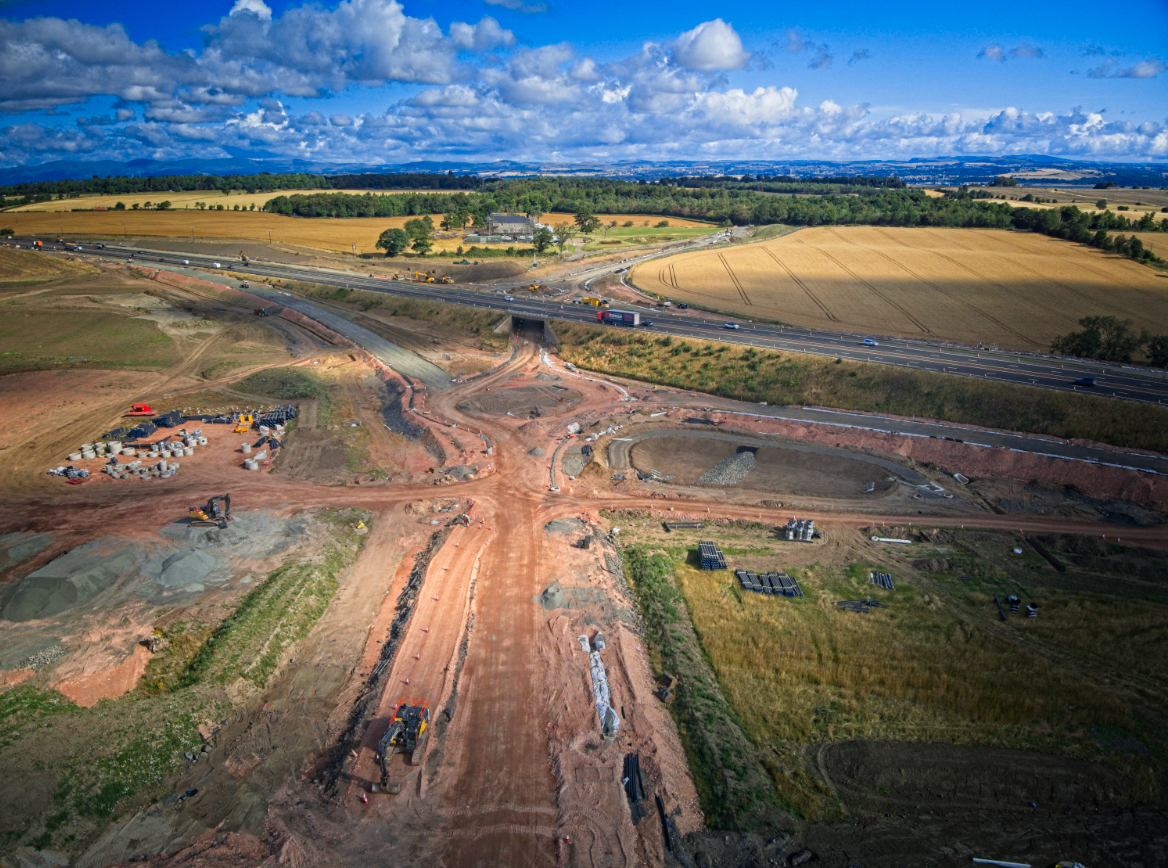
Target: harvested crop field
<point x="971" y="286"/>
<point x="25" y="266"/>
<point x="331" y="234"/>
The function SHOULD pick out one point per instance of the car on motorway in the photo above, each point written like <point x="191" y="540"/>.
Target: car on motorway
<point x="508" y="298"/>
<point x="1085" y="381"/>
<point x="646" y="323"/>
<point x="868" y="342"/>
<point x="731" y="325"/>
<point x="681" y="305"/>
<point x="186" y="262"/>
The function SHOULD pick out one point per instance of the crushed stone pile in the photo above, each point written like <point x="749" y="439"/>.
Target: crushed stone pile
<point x="249" y="535"/>
<point x="41" y="659"/>
<point x="537" y="452"/>
<point x="71" y="579"/>
<point x="729" y="471"/>
<point x="566" y="525"/>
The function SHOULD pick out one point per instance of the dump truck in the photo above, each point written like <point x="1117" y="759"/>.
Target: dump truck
<point x="619" y="317"/>
<point x="216" y="512"/>
<point x="407" y="733"/>
<point x="595" y="302"/>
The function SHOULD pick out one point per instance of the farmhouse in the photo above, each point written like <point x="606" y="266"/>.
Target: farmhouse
<point x="516" y="226"/>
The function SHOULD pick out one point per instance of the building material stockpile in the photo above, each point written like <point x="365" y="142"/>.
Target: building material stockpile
<point x="771" y="584"/>
<point x="884" y="580"/>
<point x="729" y="471"/>
<point x="712" y="557"/>
<point x="799" y="529"/>
<point x="609" y="722"/>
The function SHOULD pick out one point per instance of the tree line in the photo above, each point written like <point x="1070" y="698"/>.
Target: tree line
<point x="263" y="182"/>
<point x="1111" y="339"/>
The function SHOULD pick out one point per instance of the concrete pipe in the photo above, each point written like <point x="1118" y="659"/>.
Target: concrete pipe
<point x="74" y="456"/>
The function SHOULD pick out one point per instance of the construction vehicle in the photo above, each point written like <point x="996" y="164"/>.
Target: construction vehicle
<point x="595" y="302"/>
<point x="243" y="284"/>
<point x="666" y="687"/>
<point x="407" y="733"/>
<point x="243" y="425"/>
<point x="139" y="410"/>
<point x="445" y="280"/>
<point x="38" y="244"/>
<point x="261" y="311"/>
<point x="243" y="257"/>
<point x="211" y="514"/>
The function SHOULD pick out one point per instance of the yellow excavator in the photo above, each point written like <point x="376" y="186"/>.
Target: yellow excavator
<point x="216" y="512"/>
<point x="407" y="733"/>
<point x="243" y="257"/>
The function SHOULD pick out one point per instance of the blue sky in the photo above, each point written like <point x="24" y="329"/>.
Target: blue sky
<point x="383" y="81"/>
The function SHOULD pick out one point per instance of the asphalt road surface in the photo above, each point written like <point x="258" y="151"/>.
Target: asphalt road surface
<point x="1112" y="380"/>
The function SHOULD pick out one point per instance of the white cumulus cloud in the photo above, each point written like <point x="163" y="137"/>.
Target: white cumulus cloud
<point x="712" y="45"/>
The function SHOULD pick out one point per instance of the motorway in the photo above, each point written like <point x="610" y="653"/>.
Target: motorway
<point x="1119" y="381"/>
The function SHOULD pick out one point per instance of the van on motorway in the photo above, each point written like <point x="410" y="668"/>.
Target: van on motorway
<point x="868" y="342"/>
<point x="216" y="265"/>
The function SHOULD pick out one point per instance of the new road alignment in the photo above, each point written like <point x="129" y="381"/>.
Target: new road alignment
<point x="1130" y="383"/>
<point x="406" y="362"/>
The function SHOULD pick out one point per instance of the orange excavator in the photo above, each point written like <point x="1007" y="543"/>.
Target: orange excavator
<point x="407" y="733"/>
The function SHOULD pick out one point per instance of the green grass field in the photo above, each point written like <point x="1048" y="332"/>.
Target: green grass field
<point x="935" y="665"/>
<point x="37" y="339"/>
<point x="640" y="235"/>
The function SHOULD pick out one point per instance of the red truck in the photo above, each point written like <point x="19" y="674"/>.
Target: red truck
<point x="619" y="317"/>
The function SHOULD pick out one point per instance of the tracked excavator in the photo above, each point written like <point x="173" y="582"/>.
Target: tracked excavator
<point x="212" y="514"/>
<point x="407" y="733"/>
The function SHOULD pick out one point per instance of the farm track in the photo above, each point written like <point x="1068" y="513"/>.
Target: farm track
<point x="734" y="279"/>
<point x="904" y="312"/>
<point x="811" y="295"/>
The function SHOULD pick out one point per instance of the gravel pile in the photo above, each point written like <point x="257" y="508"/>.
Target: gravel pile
<point x="43" y="658"/>
<point x="537" y="452"/>
<point x="729" y="471"/>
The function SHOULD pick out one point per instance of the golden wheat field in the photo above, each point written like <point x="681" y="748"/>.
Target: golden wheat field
<point x="182" y="200"/>
<point x="336" y="235"/>
<point x="966" y="285"/>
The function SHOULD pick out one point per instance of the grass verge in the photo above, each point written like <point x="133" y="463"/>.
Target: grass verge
<point x="748" y="374"/>
<point x="477" y="322"/>
<point x="282" y="610"/>
<point x="731" y="782"/>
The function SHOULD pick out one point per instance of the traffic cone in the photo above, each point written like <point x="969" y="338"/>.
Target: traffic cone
<point x="417" y="656"/>
<point x="364" y="799"/>
<point x="407" y="681"/>
<point x="354" y="753"/>
<point x="425" y="629"/>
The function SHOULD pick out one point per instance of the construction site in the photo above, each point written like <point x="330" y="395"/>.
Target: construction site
<point x="291" y="577"/>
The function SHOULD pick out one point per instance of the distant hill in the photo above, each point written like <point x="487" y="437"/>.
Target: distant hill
<point x="1031" y="169"/>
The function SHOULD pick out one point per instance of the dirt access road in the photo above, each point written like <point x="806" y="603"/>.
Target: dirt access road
<point x="492" y="788"/>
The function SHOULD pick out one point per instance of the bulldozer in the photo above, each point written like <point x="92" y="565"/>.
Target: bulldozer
<point x="407" y="733"/>
<point x="246" y="420"/>
<point x="211" y="514"/>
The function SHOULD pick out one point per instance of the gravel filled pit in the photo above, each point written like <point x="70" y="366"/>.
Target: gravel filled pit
<point x="716" y="458"/>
